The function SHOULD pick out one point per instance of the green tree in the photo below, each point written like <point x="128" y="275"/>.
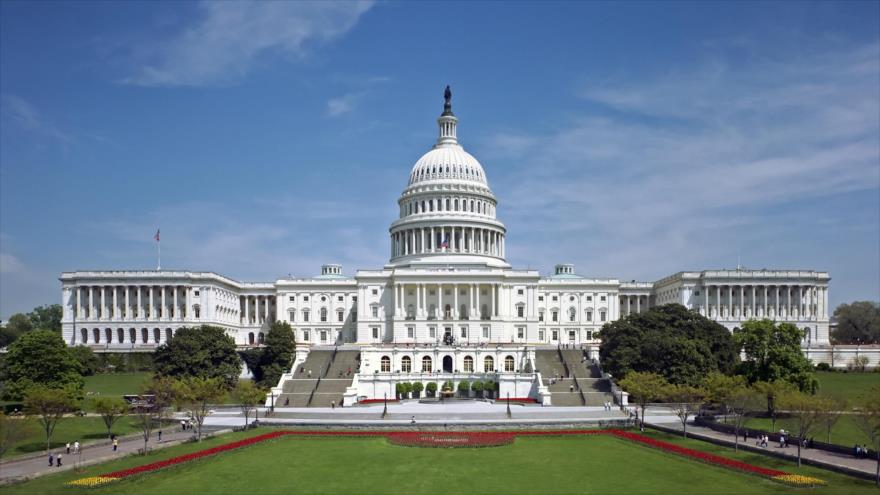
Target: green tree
<point x="858" y="322"/>
<point x="773" y="352"/>
<point x="277" y="354"/>
<point x="198" y="394"/>
<point x="248" y="397"/>
<point x="19" y="323"/>
<point x="49" y="405"/>
<point x="150" y="408"/>
<point x="431" y="388"/>
<point x="719" y="388"/>
<point x="111" y="409"/>
<point x="669" y="340"/>
<point x="12" y="431"/>
<point x="400" y="390"/>
<point x="742" y="400"/>
<point x="205" y="351"/>
<point x="477" y="387"/>
<point x="47" y="317"/>
<point x="40" y="357"/>
<point x="771" y="391"/>
<point x="868" y="421"/>
<point x="806" y="410"/>
<point x="417" y="388"/>
<point x="644" y="387"/>
<point x="834" y="409"/>
<point x="88" y="361"/>
<point x="685" y="401"/>
<point x="464" y="387"/>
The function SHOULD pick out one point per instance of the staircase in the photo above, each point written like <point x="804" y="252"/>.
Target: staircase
<point x="332" y="372"/>
<point x="579" y="384"/>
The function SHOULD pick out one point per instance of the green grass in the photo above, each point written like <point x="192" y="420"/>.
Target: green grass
<point x="850" y="386"/>
<point x="845" y="432"/>
<point x="69" y="429"/>
<point x="583" y="464"/>
<point x="115" y="384"/>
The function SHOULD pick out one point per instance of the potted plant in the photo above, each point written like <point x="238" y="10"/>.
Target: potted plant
<point x="417" y="388"/>
<point x="477" y="387"/>
<point x="431" y="389"/>
<point x="464" y="388"/>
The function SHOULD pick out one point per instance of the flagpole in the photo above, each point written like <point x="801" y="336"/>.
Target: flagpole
<point x="159" y="250"/>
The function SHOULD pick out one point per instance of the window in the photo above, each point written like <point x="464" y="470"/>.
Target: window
<point x="196" y="293"/>
<point x="168" y="334"/>
<point x="571" y="298"/>
<point x="305" y="298"/>
<point x="306" y="335"/>
<point x="508" y="363"/>
<point x="305" y="315"/>
<point x="323" y="335"/>
<point x="602" y="298"/>
<point x="541" y="335"/>
<point x="323" y="299"/>
<point x="354" y="298"/>
<point x="589" y="335"/>
<point x="156" y="335"/>
<point x="555" y="298"/>
<point x="375" y="292"/>
<point x="554" y="335"/>
<point x="540" y="315"/>
<point x="520" y="333"/>
<point x="589" y="316"/>
<point x="261" y="338"/>
<point x="410" y="332"/>
<point x="406" y="364"/>
<point x="464" y="332"/>
<point x="340" y="298"/>
<point x="340" y="316"/>
<point x="84" y="336"/>
<point x="385" y="364"/>
<point x="323" y="314"/>
<point x="120" y="335"/>
<point x="488" y="364"/>
<point x="696" y="293"/>
<point x="519" y="292"/>
<point x="485" y="332"/>
<point x="589" y="298"/>
<point x="601" y="316"/>
<point x="291" y="298"/>
<point x="144" y="335"/>
<point x="426" y="364"/>
<point x="571" y="314"/>
<point x="540" y="298"/>
<point x="520" y="311"/>
<point x="432" y="332"/>
<point x="375" y="332"/>
<point x="375" y="310"/>
<point x="468" y="364"/>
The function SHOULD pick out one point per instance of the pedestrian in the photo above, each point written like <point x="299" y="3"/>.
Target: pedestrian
<point x="58" y="460"/>
<point x="332" y="404"/>
<point x="310" y="373"/>
<point x="182" y="425"/>
<point x="68" y="448"/>
<point x="160" y="435"/>
<point x="571" y="388"/>
<point x="745" y="436"/>
<point x="412" y="420"/>
<point x="52" y="458"/>
<point x="115" y="444"/>
<point x="287" y="401"/>
<point x="76" y="447"/>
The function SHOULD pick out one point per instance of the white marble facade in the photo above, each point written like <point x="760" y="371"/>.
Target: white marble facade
<point x="447" y="278"/>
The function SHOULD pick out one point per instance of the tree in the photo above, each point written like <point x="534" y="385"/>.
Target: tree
<point x="111" y="410"/>
<point x="464" y="387"/>
<point x="205" y="352"/>
<point x="12" y="431"/>
<point x="742" y="400"/>
<point x="19" y="323"/>
<point x="771" y="391"/>
<point x="685" y="401"/>
<point x="431" y="388"/>
<point x="868" y="421"/>
<point x="858" y="322"/>
<point x="47" y="317"/>
<point x="858" y="364"/>
<point x="806" y="411"/>
<point x="40" y="357"/>
<point x="720" y="387"/>
<point x="400" y="390"/>
<point x="277" y="354"/>
<point x="248" y="397"/>
<point x="669" y="340"/>
<point x="834" y="409"/>
<point x="198" y="394"/>
<point x="643" y="388"/>
<point x="88" y="362"/>
<point x="477" y="387"/>
<point x="49" y="405"/>
<point x="150" y="406"/>
<point x="773" y="352"/>
<point x="417" y="388"/>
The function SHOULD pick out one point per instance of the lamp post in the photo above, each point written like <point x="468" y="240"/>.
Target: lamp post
<point x="385" y="408"/>
<point x="508" y="405"/>
<point x="272" y="404"/>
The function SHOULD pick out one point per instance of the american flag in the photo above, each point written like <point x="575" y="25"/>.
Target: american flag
<point x="445" y="243"/>
<point x="157" y="235"/>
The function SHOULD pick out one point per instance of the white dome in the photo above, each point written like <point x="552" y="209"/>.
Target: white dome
<point x="447" y="161"/>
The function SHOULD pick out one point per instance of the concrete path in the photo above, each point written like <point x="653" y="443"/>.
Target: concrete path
<point x="93" y="453"/>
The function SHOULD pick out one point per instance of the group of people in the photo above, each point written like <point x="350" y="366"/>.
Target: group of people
<point x="607" y="405"/>
<point x="185" y="424"/>
<point x="860" y="451"/>
<point x="57" y="460"/>
<point x="762" y="441"/>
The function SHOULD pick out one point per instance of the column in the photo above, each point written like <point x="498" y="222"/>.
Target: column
<point x="163" y="311"/>
<point x="766" y="302"/>
<point x="441" y="315"/>
<point x="433" y="244"/>
<point x="140" y="303"/>
<point x="706" y="304"/>
<point x="115" y="313"/>
<point x="495" y="301"/>
<point x="103" y="304"/>
<point x="503" y="246"/>
<point x="729" y="301"/>
<point x="187" y="310"/>
<point x="718" y="302"/>
<point x="247" y="316"/>
<point x="800" y="302"/>
<point x="175" y="312"/>
<point x="79" y="307"/>
<point x="754" y="292"/>
<point x="152" y="303"/>
<point x="455" y="314"/>
<point x="778" y="292"/>
<point x="266" y="301"/>
<point x="127" y="302"/>
<point x="638" y="304"/>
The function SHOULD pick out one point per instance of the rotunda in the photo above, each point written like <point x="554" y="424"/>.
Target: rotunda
<point x="447" y="211"/>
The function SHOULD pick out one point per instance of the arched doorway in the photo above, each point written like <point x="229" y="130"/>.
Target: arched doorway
<point x="447" y="364"/>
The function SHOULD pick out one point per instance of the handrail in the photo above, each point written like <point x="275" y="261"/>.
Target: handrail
<point x="329" y="363"/>
<point x="312" y="395"/>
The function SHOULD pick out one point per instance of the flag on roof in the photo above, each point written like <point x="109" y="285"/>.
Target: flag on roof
<point x="157" y="235"/>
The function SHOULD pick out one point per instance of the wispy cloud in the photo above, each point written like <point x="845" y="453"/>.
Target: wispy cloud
<point x="694" y="161"/>
<point x="230" y="37"/>
<point x="343" y="104"/>
<point x="24" y="115"/>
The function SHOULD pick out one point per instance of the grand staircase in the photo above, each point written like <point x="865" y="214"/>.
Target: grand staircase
<point x="575" y="381"/>
<point x="321" y="380"/>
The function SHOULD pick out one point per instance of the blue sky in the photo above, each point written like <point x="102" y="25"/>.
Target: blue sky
<point x="634" y="140"/>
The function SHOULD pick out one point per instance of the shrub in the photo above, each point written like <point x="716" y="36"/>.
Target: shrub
<point x="823" y="367"/>
<point x="431" y="388"/>
<point x="417" y="388"/>
<point x="464" y="387"/>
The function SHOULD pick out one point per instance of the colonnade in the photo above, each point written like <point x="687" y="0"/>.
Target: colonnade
<point x="476" y="306"/>
<point x="129" y="303"/>
<point x="255" y="310"/>
<point x="801" y="302"/>
<point x="468" y="240"/>
<point x="126" y="336"/>
<point x="630" y="304"/>
<point x="447" y="204"/>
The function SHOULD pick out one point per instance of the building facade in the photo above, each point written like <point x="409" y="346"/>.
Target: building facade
<point x="447" y="301"/>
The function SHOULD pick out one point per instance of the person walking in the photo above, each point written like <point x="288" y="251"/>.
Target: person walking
<point x="68" y="448"/>
<point x="115" y="444"/>
<point x="76" y="447"/>
<point x="160" y="435"/>
<point x="332" y="404"/>
<point x="58" y="460"/>
<point x="51" y="459"/>
<point x="182" y="425"/>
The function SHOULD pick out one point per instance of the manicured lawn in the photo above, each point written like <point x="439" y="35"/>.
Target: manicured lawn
<point x="69" y="429"/>
<point x="850" y="386"/>
<point x="845" y="432"/>
<point x="576" y="464"/>
<point x="115" y="384"/>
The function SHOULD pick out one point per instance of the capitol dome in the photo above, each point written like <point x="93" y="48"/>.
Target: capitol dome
<point x="447" y="211"/>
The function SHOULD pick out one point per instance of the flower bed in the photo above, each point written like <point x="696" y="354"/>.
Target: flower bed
<point x="525" y="400"/>
<point x="459" y="439"/>
<point x="453" y="439"/>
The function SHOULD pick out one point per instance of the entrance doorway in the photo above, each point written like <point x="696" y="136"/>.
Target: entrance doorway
<point x="447" y="364"/>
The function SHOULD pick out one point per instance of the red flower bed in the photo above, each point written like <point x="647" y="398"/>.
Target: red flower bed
<point x="451" y="439"/>
<point x="375" y="401"/>
<point x="517" y="399"/>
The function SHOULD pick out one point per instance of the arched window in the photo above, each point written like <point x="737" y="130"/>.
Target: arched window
<point x="426" y="364"/>
<point x="132" y="335"/>
<point x="385" y="364"/>
<point x="508" y="363"/>
<point x="251" y="338"/>
<point x="489" y="364"/>
<point x="447" y="204"/>
<point x="156" y="334"/>
<point x="472" y="206"/>
<point x="96" y="334"/>
<point x="84" y="335"/>
<point x="120" y="335"/>
<point x="108" y="335"/>
<point x="468" y="364"/>
<point x="571" y="314"/>
<point x="261" y="338"/>
<point x="168" y="334"/>
<point x="145" y="337"/>
<point x="323" y="314"/>
<point x="406" y="364"/>
<point x="456" y="204"/>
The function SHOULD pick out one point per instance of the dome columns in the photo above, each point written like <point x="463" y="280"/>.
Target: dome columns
<point x="446" y="239"/>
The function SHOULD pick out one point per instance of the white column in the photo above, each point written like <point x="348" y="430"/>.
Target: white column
<point x="103" y="304"/>
<point x="140" y="303"/>
<point x="441" y="314"/>
<point x="433" y="246"/>
<point x="638" y="304"/>
<point x="79" y="307"/>
<point x="455" y="314"/>
<point x="742" y="302"/>
<point x="127" y="314"/>
<point x="163" y="313"/>
<point x="187" y="311"/>
<point x="152" y="303"/>
<point x="718" y="302"/>
<point x="266" y="310"/>
<point x="754" y="293"/>
<point x="115" y="313"/>
<point x="706" y="304"/>
<point x="175" y="313"/>
<point x="247" y="311"/>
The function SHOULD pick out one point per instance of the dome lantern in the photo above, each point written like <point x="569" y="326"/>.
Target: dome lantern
<point x="447" y="121"/>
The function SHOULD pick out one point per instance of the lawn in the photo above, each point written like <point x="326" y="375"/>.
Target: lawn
<point x="69" y="429"/>
<point x="115" y="384"/>
<point x="850" y="386"/>
<point x="845" y="432"/>
<point x="576" y="464"/>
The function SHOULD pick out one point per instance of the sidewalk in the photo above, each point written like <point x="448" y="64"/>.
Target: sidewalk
<point x="93" y="453"/>
<point x="821" y="458"/>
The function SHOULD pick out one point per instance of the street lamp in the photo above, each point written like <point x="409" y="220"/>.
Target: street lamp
<point x="385" y="409"/>
<point x="508" y="405"/>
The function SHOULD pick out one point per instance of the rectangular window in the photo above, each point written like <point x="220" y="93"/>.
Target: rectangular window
<point x="541" y="335"/>
<point x="601" y="316"/>
<point x="291" y="298"/>
<point x="555" y="298"/>
<point x="339" y="316"/>
<point x="602" y="299"/>
<point x="589" y="335"/>
<point x="555" y="316"/>
<point x="323" y="335"/>
<point x="306" y="335"/>
<point x="540" y="316"/>
<point x="485" y="332"/>
<point x="589" y="298"/>
<point x="589" y="316"/>
<point x="432" y="332"/>
<point x="375" y="292"/>
<point x="696" y="293"/>
<point x="464" y="332"/>
<point x="305" y="316"/>
<point x="196" y="293"/>
<point x="354" y="298"/>
<point x="375" y="332"/>
<point x="519" y="292"/>
<point x="540" y="298"/>
<point x="520" y="333"/>
<point x="520" y="311"/>
<point x="375" y="311"/>
<point x="340" y="298"/>
<point x="305" y="298"/>
<point x="555" y="335"/>
<point x="410" y="332"/>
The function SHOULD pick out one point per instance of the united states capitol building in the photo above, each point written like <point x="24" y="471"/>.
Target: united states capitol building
<point x="447" y="305"/>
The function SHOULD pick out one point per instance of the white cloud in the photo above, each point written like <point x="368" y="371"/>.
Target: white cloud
<point x="343" y="104"/>
<point x="25" y="116"/>
<point x="230" y="37"/>
<point x="10" y="264"/>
